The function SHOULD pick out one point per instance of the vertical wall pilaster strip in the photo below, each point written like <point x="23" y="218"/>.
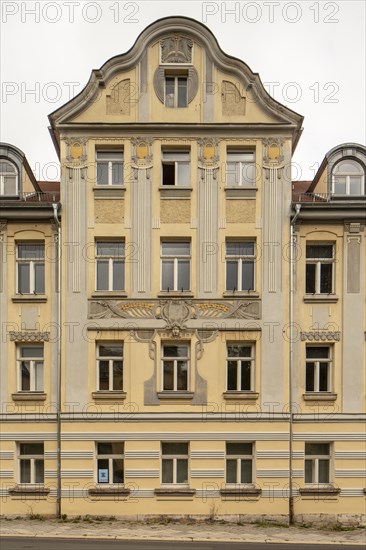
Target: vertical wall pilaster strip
<point x="3" y="315"/>
<point x="75" y="228"/>
<point x="141" y="234"/>
<point x="207" y="257"/>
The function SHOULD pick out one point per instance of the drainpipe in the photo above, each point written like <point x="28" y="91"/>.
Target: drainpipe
<point x="291" y="358"/>
<point x="58" y="500"/>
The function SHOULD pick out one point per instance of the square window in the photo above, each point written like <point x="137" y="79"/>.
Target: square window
<point x="175" y="366"/>
<point x="318" y="368"/>
<point x="110" y="366"/>
<point x="239" y="463"/>
<point x="240" y="168"/>
<point x="176" y="168"/>
<point x="240" y="367"/>
<point x="110" y="168"/>
<point x="317" y="463"/>
<point x="240" y="261"/>
<point x="110" y="463"/>
<point x="175" y="265"/>
<point x="31" y="462"/>
<point x="319" y="268"/>
<point x="30" y="368"/>
<point x="30" y="268"/>
<point x="110" y="265"/>
<point x="176" y="91"/>
<point x="174" y="463"/>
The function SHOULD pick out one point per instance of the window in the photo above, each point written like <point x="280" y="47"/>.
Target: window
<point x="110" y="257"/>
<point x="175" y="367"/>
<point x="240" y="169"/>
<point x="30" y="368"/>
<point x="176" y="91"/>
<point x="176" y="168"/>
<point x="31" y="462"/>
<point x="240" y="367"/>
<point x="8" y="179"/>
<point x="317" y="463"/>
<point x="239" y="463"/>
<point x="348" y="178"/>
<point x="110" y="463"/>
<point x="318" y="368"/>
<point x="175" y="265"/>
<point x="30" y="272"/>
<point x="174" y="463"/>
<point x="319" y="268"/>
<point x="240" y="258"/>
<point x="109" y="168"/>
<point x="110" y="367"/>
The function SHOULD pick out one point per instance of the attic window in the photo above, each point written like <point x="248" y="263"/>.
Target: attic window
<point x="348" y="178"/>
<point x="176" y="89"/>
<point x="8" y="179"/>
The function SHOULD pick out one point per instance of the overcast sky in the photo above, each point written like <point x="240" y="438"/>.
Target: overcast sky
<point x="310" y="56"/>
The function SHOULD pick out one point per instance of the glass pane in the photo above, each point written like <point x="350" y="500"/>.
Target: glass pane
<point x="110" y="448"/>
<point x="102" y="275"/>
<point x="39" y="471"/>
<point x="104" y="375"/>
<point x="232" y="174"/>
<point x="110" y="350"/>
<point x="310" y="278"/>
<point x="355" y="185"/>
<point x="38" y="375"/>
<point x="6" y="167"/>
<point x="348" y="168"/>
<point x="323" y="377"/>
<point x="10" y="185"/>
<point x="117" y="173"/>
<point x="167" y="471"/>
<point x="232" y="378"/>
<point x="34" y="449"/>
<point x="308" y="471"/>
<point x="168" y="375"/>
<point x="239" y="249"/>
<point x="174" y="449"/>
<point x="340" y="185"/>
<point x="234" y="350"/>
<point x="31" y="351"/>
<point x="102" y="173"/>
<point x="323" y="471"/>
<point x="182" y="375"/>
<point x="231" y="471"/>
<point x="169" y="173"/>
<point x="39" y="278"/>
<point x="231" y="275"/>
<point x="118" y="275"/>
<point x="111" y="249"/>
<point x="326" y="278"/>
<point x="118" y="470"/>
<point x="310" y="374"/>
<point x="248" y="175"/>
<point x="317" y="352"/>
<point x="245" y="376"/>
<point x="110" y="155"/>
<point x="175" y="351"/>
<point x="25" y="377"/>
<point x="240" y="156"/>
<point x="183" y="275"/>
<point x="246" y="471"/>
<point x="319" y="251"/>
<point x="167" y="280"/>
<point x="182" y="92"/>
<point x="247" y="276"/>
<point x="182" y="471"/>
<point x="103" y="470"/>
<point x="23" y="278"/>
<point x="31" y="251"/>
<point x="317" y="449"/>
<point x="239" y="449"/>
<point x="25" y="471"/>
<point x="177" y="248"/>
<point x="183" y="173"/>
<point x="118" y="375"/>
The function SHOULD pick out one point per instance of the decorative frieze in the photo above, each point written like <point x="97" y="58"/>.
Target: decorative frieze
<point x="334" y="336"/>
<point x="29" y="336"/>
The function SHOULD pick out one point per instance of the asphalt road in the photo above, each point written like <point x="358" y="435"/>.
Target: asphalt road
<point x="23" y="543"/>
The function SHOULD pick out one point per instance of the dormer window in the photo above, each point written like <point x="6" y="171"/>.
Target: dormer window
<point x="8" y="179"/>
<point x="348" y="178"/>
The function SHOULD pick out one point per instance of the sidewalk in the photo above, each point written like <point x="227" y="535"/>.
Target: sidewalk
<point x="180" y="531"/>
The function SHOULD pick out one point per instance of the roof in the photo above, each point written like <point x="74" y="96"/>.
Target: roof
<point x="299" y="187"/>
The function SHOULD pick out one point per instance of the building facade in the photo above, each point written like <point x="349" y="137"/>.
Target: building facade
<point x="184" y="330"/>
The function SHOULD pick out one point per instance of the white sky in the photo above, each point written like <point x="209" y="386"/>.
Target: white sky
<point x="310" y="55"/>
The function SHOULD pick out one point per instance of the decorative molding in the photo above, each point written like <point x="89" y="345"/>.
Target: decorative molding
<point x="273" y="151"/>
<point x="233" y="102"/>
<point x="354" y="227"/>
<point x="3" y="225"/>
<point x="29" y="336"/>
<point x="76" y="151"/>
<point x="320" y="336"/>
<point x="176" y="49"/>
<point x="118" y="101"/>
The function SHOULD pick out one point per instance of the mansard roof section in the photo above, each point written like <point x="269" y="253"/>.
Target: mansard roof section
<point x="25" y="179"/>
<point x="196" y="34"/>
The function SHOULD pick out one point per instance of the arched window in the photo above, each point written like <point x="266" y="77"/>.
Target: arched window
<point x="348" y="178"/>
<point x="8" y="178"/>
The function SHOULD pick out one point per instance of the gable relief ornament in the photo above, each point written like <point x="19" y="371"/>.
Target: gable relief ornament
<point x="273" y="156"/>
<point x="176" y="49"/>
<point x="141" y="156"/>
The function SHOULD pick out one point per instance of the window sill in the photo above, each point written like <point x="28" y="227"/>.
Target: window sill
<point x="29" y="396"/>
<point x="109" y="491"/>
<point x="107" y="395"/>
<point x="320" y="298"/>
<point x="319" y="396"/>
<point x="31" y="490"/>
<point x="237" y="491"/>
<point x="238" y="192"/>
<point x="109" y="294"/>
<point x="175" y="294"/>
<point x="241" y="294"/>
<point x="175" y="192"/>
<point x="249" y="395"/>
<point x="167" y="394"/>
<point x="321" y="490"/>
<point x="109" y="191"/>
<point x="34" y="298"/>
<point x="175" y="492"/>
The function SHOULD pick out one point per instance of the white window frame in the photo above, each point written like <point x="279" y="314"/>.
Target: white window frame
<point x="233" y="157"/>
<point x="32" y="458"/>
<point x="176" y="259"/>
<point x="175" y="365"/>
<point x="315" y="464"/>
<point x="239" y="457"/>
<point x="174" y="458"/>
<point x="238" y="366"/>
<point x="176" y="159"/>
<point x="110" y="458"/>
<point x="110" y="360"/>
<point x="13" y="174"/>
<point x="32" y="267"/>
<point x="317" y="362"/>
<point x="32" y="366"/>
<point x="348" y="176"/>
<point x="111" y="260"/>
<point x="318" y="262"/>
<point x="115" y="157"/>
<point x="240" y="260"/>
<point x="175" y="77"/>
